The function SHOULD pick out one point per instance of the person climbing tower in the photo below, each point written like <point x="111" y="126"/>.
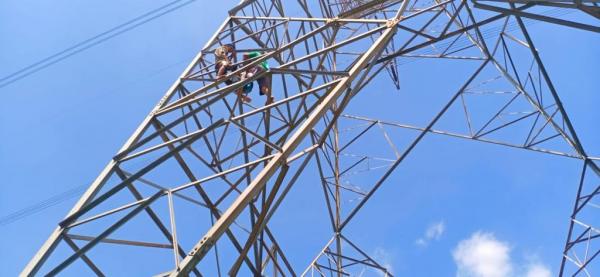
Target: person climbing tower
<point x="225" y="57"/>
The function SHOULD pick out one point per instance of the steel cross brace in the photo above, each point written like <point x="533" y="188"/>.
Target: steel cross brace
<point x="214" y="233"/>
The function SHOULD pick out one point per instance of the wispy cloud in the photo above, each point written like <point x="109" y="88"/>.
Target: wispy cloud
<point x="538" y="270"/>
<point x="383" y="258"/>
<point x="483" y="255"/>
<point x="433" y="232"/>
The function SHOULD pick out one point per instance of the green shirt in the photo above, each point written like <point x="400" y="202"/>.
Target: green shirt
<point x="255" y="54"/>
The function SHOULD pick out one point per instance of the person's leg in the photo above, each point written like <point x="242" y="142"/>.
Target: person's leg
<point x="265" y="87"/>
<point x="241" y="92"/>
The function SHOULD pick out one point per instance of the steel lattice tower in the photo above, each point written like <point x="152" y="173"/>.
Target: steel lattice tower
<point x="207" y="172"/>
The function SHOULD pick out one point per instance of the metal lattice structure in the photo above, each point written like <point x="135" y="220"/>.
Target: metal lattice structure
<point x="207" y="172"/>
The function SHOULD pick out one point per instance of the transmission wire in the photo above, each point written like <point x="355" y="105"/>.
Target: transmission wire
<point x="91" y="42"/>
<point x="42" y="205"/>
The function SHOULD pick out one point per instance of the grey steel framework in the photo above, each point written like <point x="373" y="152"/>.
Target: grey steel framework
<point x="201" y="151"/>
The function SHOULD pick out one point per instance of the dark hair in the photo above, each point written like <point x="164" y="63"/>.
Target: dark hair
<point x="229" y="45"/>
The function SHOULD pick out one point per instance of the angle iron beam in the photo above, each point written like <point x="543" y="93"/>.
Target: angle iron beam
<point x="213" y="234"/>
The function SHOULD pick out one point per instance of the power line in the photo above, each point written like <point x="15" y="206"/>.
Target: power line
<point x="73" y="192"/>
<point x="93" y="41"/>
<point x="40" y="206"/>
<point x="66" y="53"/>
<point x="87" y="40"/>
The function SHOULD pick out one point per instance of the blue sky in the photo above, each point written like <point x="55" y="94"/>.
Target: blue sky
<point x="449" y="200"/>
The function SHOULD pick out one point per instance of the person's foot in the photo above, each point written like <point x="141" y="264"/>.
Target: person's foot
<point x="246" y="99"/>
<point x="243" y="97"/>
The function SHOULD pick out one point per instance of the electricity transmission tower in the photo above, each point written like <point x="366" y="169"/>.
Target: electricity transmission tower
<point x="195" y="189"/>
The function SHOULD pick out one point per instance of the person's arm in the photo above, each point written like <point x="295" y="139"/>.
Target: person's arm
<point x="221" y="71"/>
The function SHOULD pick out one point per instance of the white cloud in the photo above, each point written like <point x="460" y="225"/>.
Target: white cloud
<point x="538" y="270"/>
<point x="482" y="255"/>
<point x="433" y="232"/>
